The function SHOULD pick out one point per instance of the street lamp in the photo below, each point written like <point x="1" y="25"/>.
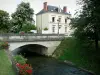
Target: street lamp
<point x="58" y="26"/>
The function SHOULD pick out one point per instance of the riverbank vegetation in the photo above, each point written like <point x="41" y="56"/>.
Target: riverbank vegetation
<point x="82" y="54"/>
<point x="5" y="64"/>
<point x="23" y="67"/>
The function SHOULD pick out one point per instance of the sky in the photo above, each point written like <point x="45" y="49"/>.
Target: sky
<point x="11" y="5"/>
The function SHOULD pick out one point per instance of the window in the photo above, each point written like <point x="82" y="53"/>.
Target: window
<point x="59" y="26"/>
<point x="59" y="19"/>
<point x="65" y="29"/>
<point x="66" y="20"/>
<point x="53" y="29"/>
<point x="53" y="19"/>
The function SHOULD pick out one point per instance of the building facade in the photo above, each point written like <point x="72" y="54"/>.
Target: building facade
<point x="53" y="20"/>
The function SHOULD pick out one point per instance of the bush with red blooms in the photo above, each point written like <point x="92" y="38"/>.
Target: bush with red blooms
<point x="4" y="45"/>
<point x="22" y="33"/>
<point x="24" y="69"/>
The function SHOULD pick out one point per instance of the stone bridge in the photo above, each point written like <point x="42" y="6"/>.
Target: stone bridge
<point x="42" y="44"/>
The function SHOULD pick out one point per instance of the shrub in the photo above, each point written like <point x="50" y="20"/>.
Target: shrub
<point x="20" y="59"/>
<point x="24" y="69"/>
<point x="45" y="28"/>
<point x="4" y="45"/>
<point x="22" y="33"/>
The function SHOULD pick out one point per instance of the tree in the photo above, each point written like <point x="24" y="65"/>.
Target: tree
<point x="22" y="15"/>
<point x="27" y="27"/>
<point x="4" y="21"/>
<point x="87" y="24"/>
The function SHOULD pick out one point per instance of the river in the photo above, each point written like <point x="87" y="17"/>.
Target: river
<point x="43" y="65"/>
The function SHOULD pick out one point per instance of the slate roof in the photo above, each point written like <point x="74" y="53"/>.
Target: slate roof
<point x="53" y="9"/>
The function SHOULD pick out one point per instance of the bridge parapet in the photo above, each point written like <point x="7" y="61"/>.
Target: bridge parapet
<point x="31" y="37"/>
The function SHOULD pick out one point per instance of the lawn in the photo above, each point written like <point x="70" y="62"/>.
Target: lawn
<point x="5" y="65"/>
<point x="82" y="54"/>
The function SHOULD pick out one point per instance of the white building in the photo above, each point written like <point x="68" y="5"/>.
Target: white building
<point x="54" y="19"/>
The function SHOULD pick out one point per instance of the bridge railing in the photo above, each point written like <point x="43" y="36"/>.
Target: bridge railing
<point x="28" y="34"/>
<point x="31" y="37"/>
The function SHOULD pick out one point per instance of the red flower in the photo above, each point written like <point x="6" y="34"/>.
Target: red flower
<point x="18" y="65"/>
<point x="25" y="64"/>
<point x="29" y="71"/>
<point x="24" y="69"/>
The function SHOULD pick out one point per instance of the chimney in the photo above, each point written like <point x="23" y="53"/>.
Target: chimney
<point x="45" y="6"/>
<point x="64" y="9"/>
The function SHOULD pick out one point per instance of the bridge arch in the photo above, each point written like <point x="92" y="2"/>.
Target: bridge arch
<point x="50" y="45"/>
<point x="30" y="49"/>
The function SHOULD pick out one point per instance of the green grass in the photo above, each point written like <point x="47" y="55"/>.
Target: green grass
<point x="5" y="65"/>
<point x="83" y="54"/>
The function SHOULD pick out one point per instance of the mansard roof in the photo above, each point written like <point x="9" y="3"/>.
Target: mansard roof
<point x="53" y="9"/>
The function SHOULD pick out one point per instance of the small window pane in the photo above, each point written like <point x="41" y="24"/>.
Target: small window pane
<point x="65" y="29"/>
<point x="53" y="19"/>
<point x="65" y="20"/>
<point x="59" y="19"/>
<point x="53" y="29"/>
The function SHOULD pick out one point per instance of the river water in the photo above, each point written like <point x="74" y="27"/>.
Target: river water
<point x="43" y="65"/>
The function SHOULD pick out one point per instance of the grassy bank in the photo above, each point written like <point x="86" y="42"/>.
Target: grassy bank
<point x="5" y="65"/>
<point x="83" y="54"/>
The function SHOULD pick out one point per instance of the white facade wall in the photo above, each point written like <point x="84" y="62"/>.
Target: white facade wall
<point x="46" y="22"/>
<point x="38" y="23"/>
<point x="42" y="22"/>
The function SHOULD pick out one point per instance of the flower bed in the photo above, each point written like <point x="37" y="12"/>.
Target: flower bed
<point x="4" y="45"/>
<point x="24" y="69"/>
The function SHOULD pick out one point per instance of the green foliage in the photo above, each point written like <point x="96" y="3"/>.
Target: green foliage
<point x="81" y="53"/>
<point x="20" y="59"/>
<point x="24" y="69"/>
<point x="27" y="27"/>
<point x="4" y="21"/>
<point x="4" y="45"/>
<point x="24" y="14"/>
<point x="45" y="28"/>
<point x="87" y="24"/>
<point x="5" y="64"/>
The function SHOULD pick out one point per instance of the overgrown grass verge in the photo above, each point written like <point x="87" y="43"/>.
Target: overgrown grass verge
<point x="5" y="65"/>
<point x="83" y="54"/>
